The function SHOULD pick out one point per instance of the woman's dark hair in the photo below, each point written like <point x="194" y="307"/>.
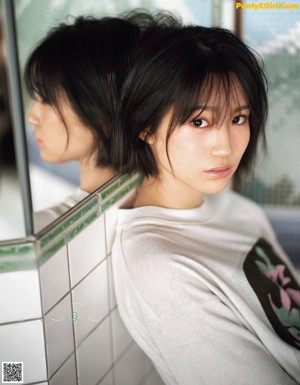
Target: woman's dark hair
<point x="175" y="68"/>
<point x="84" y="63"/>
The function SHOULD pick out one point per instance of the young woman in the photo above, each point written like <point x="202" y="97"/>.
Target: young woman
<point x="201" y="281"/>
<point x="75" y="75"/>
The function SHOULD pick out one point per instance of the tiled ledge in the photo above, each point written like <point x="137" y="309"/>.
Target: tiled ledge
<point x="18" y="255"/>
<point x="23" y="254"/>
<point x="72" y="224"/>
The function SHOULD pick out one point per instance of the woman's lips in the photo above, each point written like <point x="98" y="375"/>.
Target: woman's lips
<point x="38" y="142"/>
<point x="219" y="172"/>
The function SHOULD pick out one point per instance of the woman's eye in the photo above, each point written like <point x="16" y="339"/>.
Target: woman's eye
<point x="200" y="123"/>
<point x="239" y="119"/>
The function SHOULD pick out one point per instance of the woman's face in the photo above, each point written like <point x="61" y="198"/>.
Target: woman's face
<point x="203" y="154"/>
<point x="56" y="142"/>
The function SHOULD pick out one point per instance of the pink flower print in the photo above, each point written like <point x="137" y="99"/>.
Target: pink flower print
<point x="287" y="296"/>
<point x="289" y="318"/>
<point x="294" y="294"/>
<point x="283" y="292"/>
<point x="285" y="299"/>
<point x="277" y="275"/>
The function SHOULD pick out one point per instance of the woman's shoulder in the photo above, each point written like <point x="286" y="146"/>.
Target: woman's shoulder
<point x="163" y="228"/>
<point x="145" y="236"/>
<point x="244" y="213"/>
<point x="154" y="264"/>
<point x="236" y="198"/>
<point x="239" y="204"/>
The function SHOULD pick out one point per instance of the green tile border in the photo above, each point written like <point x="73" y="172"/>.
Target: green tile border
<point x="68" y="222"/>
<point x="115" y="185"/>
<point x="17" y="256"/>
<point x="60" y="242"/>
<point x="119" y="192"/>
<point x="64" y="232"/>
<point x="24" y="254"/>
<point x="78" y="220"/>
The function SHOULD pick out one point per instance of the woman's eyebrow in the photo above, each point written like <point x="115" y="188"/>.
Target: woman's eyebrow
<point x="240" y="108"/>
<point x="211" y="108"/>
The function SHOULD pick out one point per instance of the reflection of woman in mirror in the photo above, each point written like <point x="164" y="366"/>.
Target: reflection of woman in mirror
<point x="74" y="76"/>
<point x="201" y="281"/>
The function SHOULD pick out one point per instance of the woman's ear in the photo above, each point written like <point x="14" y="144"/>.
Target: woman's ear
<point x="147" y="137"/>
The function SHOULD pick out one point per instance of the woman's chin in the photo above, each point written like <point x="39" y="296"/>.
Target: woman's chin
<point x="218" y="187"/>
<point x="50" y="159"/>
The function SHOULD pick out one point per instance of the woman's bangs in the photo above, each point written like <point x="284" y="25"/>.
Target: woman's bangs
<point x="43" y="81"/>
<point x="208" y="89"/>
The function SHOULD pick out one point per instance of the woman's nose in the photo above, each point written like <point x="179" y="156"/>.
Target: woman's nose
<point x="221" y="142"/>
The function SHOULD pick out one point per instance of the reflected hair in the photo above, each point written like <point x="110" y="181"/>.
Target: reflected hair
<point x="84" y="63"/>
<point x="176" y="68"/>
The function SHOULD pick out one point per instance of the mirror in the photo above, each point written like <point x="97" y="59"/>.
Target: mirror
<point x="61" y="179"/>
<point x="52" y="183"/>
<point x="59" y="175"/>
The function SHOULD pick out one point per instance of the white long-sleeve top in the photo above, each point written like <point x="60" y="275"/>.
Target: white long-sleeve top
<point x="208" y="293"/>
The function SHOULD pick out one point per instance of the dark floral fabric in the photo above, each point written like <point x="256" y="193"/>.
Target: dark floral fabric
<point x="276" y="289"/>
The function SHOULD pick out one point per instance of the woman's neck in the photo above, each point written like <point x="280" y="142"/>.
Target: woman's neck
<point x="154" y="192"/>
<point x="93" y="176"/>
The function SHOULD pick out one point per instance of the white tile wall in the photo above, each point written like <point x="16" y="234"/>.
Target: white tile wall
<point x="76" y="288"/>
<point x="19" y="296"/>
<point x="87" y="250"/>
<point x="24" y="342"/>
<point x="111" y="217"/>
<point x="54" y="277"/>
<point x="132" y="367"/>
<point x="94" y="355"/>
<point x="59" y="334"/>
<point x="112" y="294"/>
<point x="90" y="301"/>
<point x="121" y="337"/>
<point x="108" y="379"/>
<point x="66" y="375"/>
